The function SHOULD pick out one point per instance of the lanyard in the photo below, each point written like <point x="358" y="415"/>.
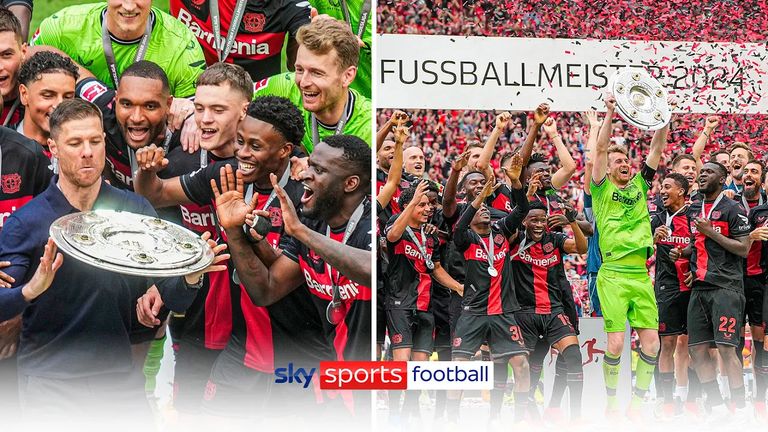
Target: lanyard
<point x="523" y="247"/>
<point x="421" y="246"/>
<point x="746" y="204"/>
<point x="339" y="126"/>
<point x="11" y="111"/>
<point x="365" y="10"/>
<point x="106" y="42"/>
<point x="332" y="311"/>
<point x="717" y="201"/>
<point x="488" y="249"/>
<point x="234" y="25"/>
<point x="670" y="218"/>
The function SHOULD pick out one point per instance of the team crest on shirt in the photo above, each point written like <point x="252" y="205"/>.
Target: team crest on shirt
<point x="555" y="204"/>
<point x="499" y="239"/>
<point x="11" y="183"/>
<point x="549" y="247"/>
<point x="430" y="242"/>
<point x="397" y="338"/>
<point x="456" y="342"/>
<point x="715" y="215"/>
<point x="254" y="22"/>
<point x="198" y="2"/>
<point x="276" y="216"/>
<point x="652" y="207"/>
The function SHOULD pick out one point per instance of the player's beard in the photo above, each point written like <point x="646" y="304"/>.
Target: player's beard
<point x="327" y="203"/>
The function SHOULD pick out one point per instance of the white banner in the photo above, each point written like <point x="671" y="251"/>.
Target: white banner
<point x="455" y="72"/>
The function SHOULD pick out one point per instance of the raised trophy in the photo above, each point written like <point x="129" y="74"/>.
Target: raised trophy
<point x="640" y="99"/>
<point x="130" y="243"/>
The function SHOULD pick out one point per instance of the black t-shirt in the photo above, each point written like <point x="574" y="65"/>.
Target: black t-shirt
<point x="502" y="199"/>
<point x="712" y="265"/>
<point x="352" y="336"/>
<point x="289" y="330"/>
<point x="670" y="276"/>
<point x="409" y="283"/>
<point x="26" y="171"/>
<point x="119" y="155"/>
<point x="485" y="294"/>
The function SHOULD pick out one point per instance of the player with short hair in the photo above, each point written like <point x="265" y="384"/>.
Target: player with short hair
<point x="326" y="65"/>
<point x="12" y="43"/>
<point x="671" y="228"/>
<point x="716" y="307"/>
<point x="620" y="207"/>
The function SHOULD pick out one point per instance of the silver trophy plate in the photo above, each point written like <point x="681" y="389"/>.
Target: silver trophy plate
<point x="640" y="99"/>
<point x="130" y="243"/>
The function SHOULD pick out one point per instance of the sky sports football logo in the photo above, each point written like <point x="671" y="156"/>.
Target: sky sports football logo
<point x="391" y="375"/>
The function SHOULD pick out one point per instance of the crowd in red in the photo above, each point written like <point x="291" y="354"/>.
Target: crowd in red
<point x="443" y="134"/>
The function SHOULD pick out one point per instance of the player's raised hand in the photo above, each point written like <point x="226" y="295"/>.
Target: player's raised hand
<point x="502" y="120"/>
<point x="461" y="162"/>
<point x="399" y="118"/>
<point x="711" y="123"/>
<point x="231" y="207"/>
<point x="590" y="119"/>
<point x="534" y="184"/>
<point x="515" y="167"/>
<point x="291" y="221"/>
<point x="218" y="263"/>
<point x="490" y="186"/>
<point x="421" y="189"/>
<point x="610" y="102"/>
<point x="541" y="114"/>
<point x="151" y="158"/>
<point x="298" y="166"/>
<point x="550" y="128"/>
<point x="401" y="133"/>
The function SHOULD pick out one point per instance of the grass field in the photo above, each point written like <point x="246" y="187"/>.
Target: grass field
<point x="45" y="8"/>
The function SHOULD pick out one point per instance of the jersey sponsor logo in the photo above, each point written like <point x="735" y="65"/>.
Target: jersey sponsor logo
<point x="199" y="219"/>
<point x="92" y="90"/>
<point x="412" y="252"/>
<point x="254" y="22"/>
<point x="348" y="291"/>
<point x="678" y="240"/>
<point x="481" y="255"/>
<point x="241" y="47"/>
<point x="7" y="207"/>
<point x="125" y="178"/>
<point x="626" y="200"/>
<point x="541" y="262"/>
<point x="11" y="183"/>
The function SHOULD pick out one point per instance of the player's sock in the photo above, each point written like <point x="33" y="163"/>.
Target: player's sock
<point x="535" y="368"/>
<point x="152" y="364"/>
<point x="667" y="380"/>
<point x="521" y="405"/>
<point x="499" y="386"/>
<point x="560" y="382"/>
<point x="681" y="392"/>
<point x="443" y="354"/>
<point x="738" y="397"/>
<point x="574" y="377"/>
<point x="761" y="371"/>
<point x="694" y="385"/>
<point x="611" y="368"/>
<point x="644" y="372"/>
<point x="712" y="390"/>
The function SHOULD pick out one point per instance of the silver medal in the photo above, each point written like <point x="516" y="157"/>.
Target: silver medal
<point x="430" y="265"/>
<point x="493" y="272"/>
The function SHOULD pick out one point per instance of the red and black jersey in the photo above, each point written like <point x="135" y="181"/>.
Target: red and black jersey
<point x="118" y="153"/>
<point x="712" y="265"/>
<point x="25" y="173"/>
<point x="13" y="113"/>
<point x="352" y="336"/>
<point x="501" y="199"/>
<point x="758" y="217"/>
<point x="753" y="263"/>
<point x="260" y="37"/>
<point x="408" y="284"/>
<point x="208" y="321"/>
<point x="485" y="294"/>
<point x="288" y="330"/>
<point x="538" y="272"/>
<point x="670" y="276"/>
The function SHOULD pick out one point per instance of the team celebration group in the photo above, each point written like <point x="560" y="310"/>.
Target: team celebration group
<point x="475" y="266"/>
<point x="118" y="105"/>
